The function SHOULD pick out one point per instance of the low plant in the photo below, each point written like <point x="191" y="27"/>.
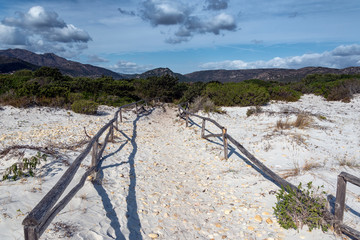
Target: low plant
<point x="25" y="168"/>
<point x="254" y="110"/>
<point x="84" y="106"/>
<point x="295" y="209"/>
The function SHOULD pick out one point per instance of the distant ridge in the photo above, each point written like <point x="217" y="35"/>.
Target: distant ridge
<point x="272" y="74"/>
<point x="71" y="68"/>
<point x="15" y="59"/>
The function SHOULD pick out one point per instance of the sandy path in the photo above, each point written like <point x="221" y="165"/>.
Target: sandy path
<point x="162" y="180"/>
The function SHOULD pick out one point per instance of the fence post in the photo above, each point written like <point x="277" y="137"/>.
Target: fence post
<point x="340" y="202"/>
<point x="111" y="133"/>
<point x="120" y="115"/>
<point x="30" y="232"/>
<point x="94" y="154"/>
<point x="225" y="143"/>
<point x="203" y="128"/>
<point x="187" y="120"/>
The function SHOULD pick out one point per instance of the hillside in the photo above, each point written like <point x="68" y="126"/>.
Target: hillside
<point x="281" y="75"/>
<point x="71" y="68"/>
<point x="8" y="64"/>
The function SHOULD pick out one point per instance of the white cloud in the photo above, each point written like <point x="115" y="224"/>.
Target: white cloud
<point x="40" y="30"/>
<point x="341" y="57"/>
<point x="129" y="67"/>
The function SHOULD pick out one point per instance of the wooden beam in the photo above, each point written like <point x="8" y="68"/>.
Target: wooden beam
<point x="225" y="143"/>
<point x="203" y="128"/>
<point x="340" y="202"/>
<point x="350" y="178"/>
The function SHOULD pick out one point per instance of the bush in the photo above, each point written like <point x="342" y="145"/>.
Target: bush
<point x="306" y="207"/>
<point x="84" y="107"/>
<point x="254" y="110"/>
<point x="284" y="93"/>
<point x="205" y="104"/>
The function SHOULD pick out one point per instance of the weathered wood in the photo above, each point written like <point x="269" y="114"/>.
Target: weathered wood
<point x="340" y="201"/>
<point x="276" y="178"/>
<point x="102" y="150"/>
<point x="203" y="128"/>
<point x="51" y="215"/>
<point x="94" y="153"/>
<point x="187" y="120"/>
<point x="37" y="215"/>
<point x="30" y="233"/>
<point x="225" y="143"/>
<point x="201" y="117"/>
<point x="350" y="178"/>
<point x="120" y="115"/>
<point x="350" y="231"/>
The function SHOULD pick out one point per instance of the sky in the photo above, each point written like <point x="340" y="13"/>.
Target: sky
<point x="133" y="36"/>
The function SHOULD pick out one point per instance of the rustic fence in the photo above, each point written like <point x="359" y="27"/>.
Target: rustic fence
<point x="36" y="222"/>
<point x="335" y="220"/>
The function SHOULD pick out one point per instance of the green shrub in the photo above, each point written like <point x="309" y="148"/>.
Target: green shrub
<point x="205" y="104"/>
<point x="72" y="97"/>
<point x="284" y="93"/>
<point x="295" y="209"/>
<point x="25" y="168"/>
<point x="254" y="110"/>
<point x="84" y="106"/>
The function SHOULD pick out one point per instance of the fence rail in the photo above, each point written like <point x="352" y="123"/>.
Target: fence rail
<point x="335" y="220"/>
<point x="39" y="218"/>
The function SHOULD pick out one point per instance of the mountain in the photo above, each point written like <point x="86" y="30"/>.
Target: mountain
<point x="274" y="74"/>
<point x="162" y="72"/>
<point x="8" y="64"/>
<point x="71" y="68"/>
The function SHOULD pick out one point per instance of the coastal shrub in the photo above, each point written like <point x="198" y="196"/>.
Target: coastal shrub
<point x="193" y="91"/>
<point x="294" y="209"/>
<point x="344" y="90"/>
<point x="254" y="110"/>
<point x="85" y="106"/>
<point x="205" y="104"/>
<point x="284" y="93"/>
<point x="237" y="94"/>
<point x="25" y="168"/>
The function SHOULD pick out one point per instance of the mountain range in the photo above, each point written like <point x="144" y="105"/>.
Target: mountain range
<point x="16" y="59"/>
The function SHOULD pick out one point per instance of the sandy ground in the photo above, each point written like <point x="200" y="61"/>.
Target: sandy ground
<point x="161" y="180"/>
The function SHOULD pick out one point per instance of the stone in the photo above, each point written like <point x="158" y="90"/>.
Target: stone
<point x="153" y="235"/>
<point x="269" y="221"/>
<point x="258" y="218"/>
<point x="251" y="228"/>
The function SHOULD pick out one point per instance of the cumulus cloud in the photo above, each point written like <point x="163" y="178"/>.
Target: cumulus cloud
<point x="341" y="57"/>
<point x="129" y="67"/>
<point x="163" y="12"/>
<point x="166" y="13"/>
<point x="96" y="59"/>
<point x="216" y="4"/>
<point x="39" y="30"/>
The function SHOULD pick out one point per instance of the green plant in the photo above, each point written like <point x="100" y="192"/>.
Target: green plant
<point x="84" y="106"/>
<point x="25" y="168"/>
<point x="303" y="207"/>
<point x="254" y="110"/>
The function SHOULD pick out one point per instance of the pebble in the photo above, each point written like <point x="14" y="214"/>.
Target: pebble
<point x="269" y="221"/>
<point x="258" y="218"/>
<point x="153" y="235"/>
<point x="251" y="228"/>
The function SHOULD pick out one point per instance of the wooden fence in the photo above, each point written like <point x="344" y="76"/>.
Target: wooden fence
<point x="334" y="220"/>
<point x="36" y="222"/>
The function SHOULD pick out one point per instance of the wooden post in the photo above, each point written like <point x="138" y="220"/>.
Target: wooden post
<point x="203" y="128"/>
<point x="187" y="120"/>
<point x="340" y="202"/>
<point x="225" y="143"/>
<point x="94" y="154"/>
<point x="111" y="133"/>
<point x="30" y="233"/>
<point x="120" y="115"/>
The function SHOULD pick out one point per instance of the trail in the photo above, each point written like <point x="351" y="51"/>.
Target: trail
<point x="161" y="180"/>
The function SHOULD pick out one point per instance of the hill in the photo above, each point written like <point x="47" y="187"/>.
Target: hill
<point x="8" y="64"/>
<point x="276" y="74"/>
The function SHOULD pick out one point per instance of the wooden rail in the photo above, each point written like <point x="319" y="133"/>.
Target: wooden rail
<point x="342" y="179"/>
<point x="335" y="220"/>
<point x="39" y="218"/>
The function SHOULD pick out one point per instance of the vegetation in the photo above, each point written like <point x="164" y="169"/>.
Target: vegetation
<point x="25" y="168"/>
<point x="48" y="87"/>
<point x="306" y="207"/>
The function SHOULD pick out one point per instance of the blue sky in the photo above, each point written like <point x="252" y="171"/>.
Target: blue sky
<point x="134" y="36"/>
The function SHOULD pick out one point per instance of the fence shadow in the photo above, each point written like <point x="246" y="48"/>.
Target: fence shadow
<point x="133" y="220"/>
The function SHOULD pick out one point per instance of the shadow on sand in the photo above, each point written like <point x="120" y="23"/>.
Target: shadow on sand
<point x="133" y="220"/>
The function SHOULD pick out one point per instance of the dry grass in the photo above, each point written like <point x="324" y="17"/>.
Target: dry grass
<point x="302" y="121"/>
<point x="292" y="172"/>
<point x="346" y="162"/>
<point x="310" y="165"/>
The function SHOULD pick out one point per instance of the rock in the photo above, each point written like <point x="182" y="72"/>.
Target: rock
<point x="251" y="228"/>
<point x="265" y="214"/>
<point x="269" y="221"/>
<point x="228" y="211"/>
<point x="153" y="235"/>
<point x="258" y="218"/>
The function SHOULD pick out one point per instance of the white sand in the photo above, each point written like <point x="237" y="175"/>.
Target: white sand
<point x="161" y="178"/>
